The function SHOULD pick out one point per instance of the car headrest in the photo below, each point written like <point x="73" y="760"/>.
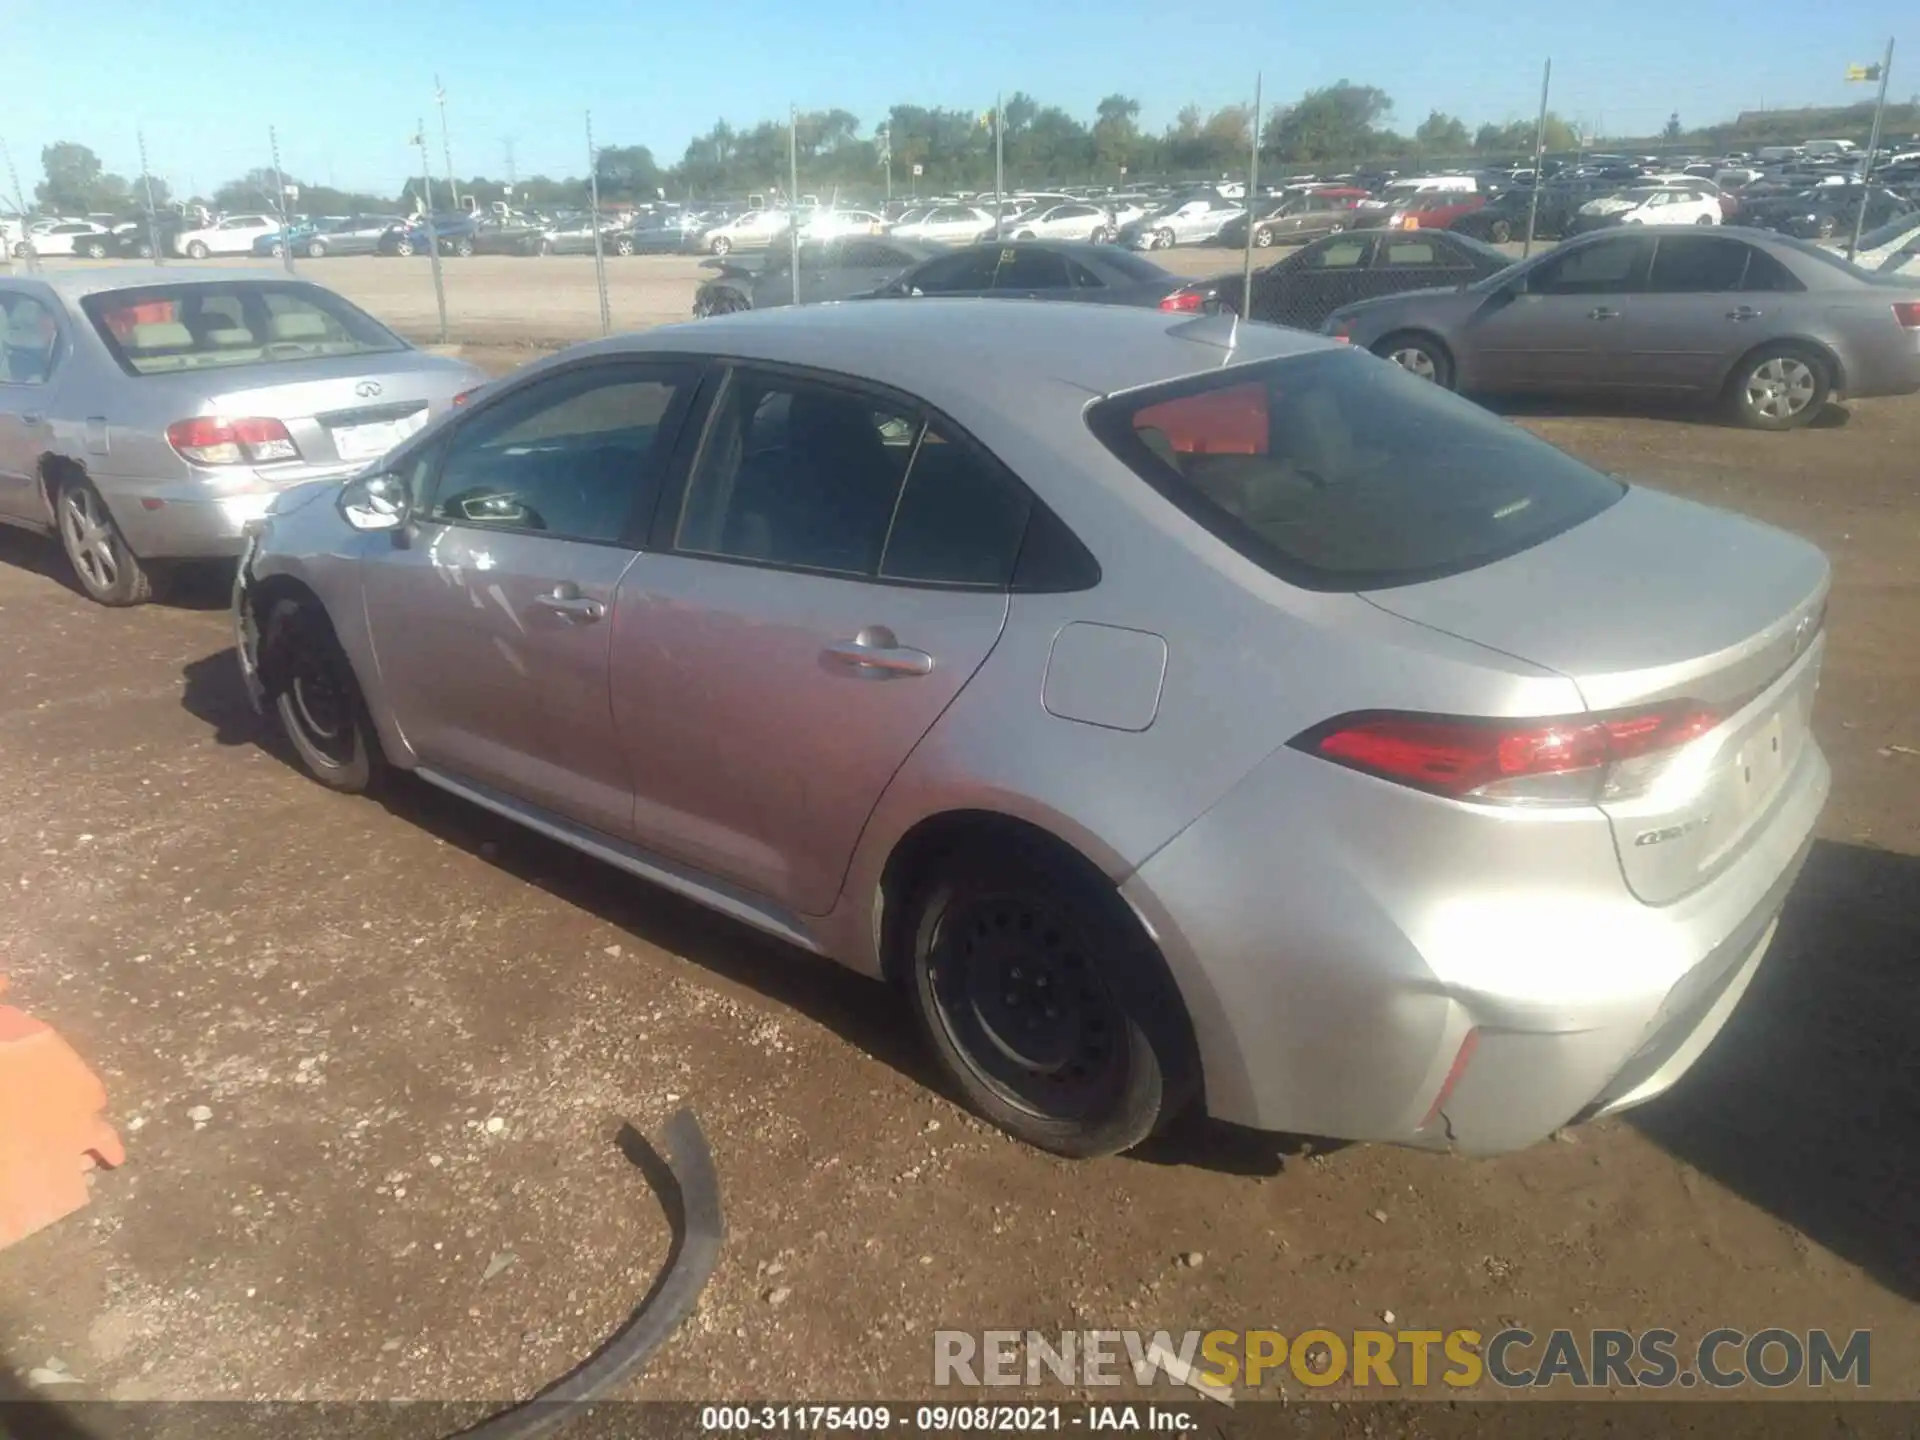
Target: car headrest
<point x="302" y="325"/>
<point x="160" y="335"/>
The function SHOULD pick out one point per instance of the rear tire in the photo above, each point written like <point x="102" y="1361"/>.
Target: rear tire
<point x="463" y="248"/>
<point x="316" y="250"/>
<point x="720" y="245"/>
<point x="96" y="250"/>
<point x="1500" y="232"/>
<point x="106" y="567"/>
<point x="403" y="248"/>
<point x="1263" y="238"/>
<point x="1043" y="1002"/>
<point x="1779" y="387"/>
<point x="198" y="250"/>
<point x="623" y="246"/>
<point x="1419" y="355"/>
<point x="316" y="699"/>
<point x="1163" y="239"/>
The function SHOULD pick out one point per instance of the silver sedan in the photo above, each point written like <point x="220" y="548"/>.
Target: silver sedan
<point x="147" y="415"/>
<point x="1177" y="713"/>
<point x="1769" y="326"/>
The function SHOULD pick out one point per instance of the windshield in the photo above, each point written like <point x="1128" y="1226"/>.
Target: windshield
<point x="1335" y="472"/>
<point x="160" y="329"/>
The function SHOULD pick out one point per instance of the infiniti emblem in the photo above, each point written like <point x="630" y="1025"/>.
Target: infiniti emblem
<point x="367" y="389"/>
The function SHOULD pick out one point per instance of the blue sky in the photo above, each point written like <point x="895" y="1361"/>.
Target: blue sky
<point x="344" y="83"/>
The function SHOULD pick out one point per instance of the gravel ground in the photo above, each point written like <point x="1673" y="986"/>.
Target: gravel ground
<point x="369" y="1059"/>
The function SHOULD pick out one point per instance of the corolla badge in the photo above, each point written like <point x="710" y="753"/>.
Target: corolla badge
<point x="368" y="389"/>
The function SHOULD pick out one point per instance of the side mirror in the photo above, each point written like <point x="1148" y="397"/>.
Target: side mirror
<point x="376" y="502"/>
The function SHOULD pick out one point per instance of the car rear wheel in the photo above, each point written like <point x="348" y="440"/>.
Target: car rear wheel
<point x="403" y="247"/>
<point x="1500" y="232"/>
<point x="1163" y="238"/>
<point x="1705" y="220"/>
<point x="106" y="568"/>
<point x="1420" y="355"/>
<point x="463" y="248"/>
<point x="623" y="246"/>
<point x="1044" y="1003"/>
<point x="1263" y="237"/>
<point x="719" y="300"/>
<point x="1779" y="388"/>
<point x="96" y="250"/>
<point x="720" y="245"/>
<point x="316" y="698"/>
<point x="317" y="249"/>
<point x="198" y="250"/>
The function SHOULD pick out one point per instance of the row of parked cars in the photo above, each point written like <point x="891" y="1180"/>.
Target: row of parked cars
<point x="1181" y="713"/>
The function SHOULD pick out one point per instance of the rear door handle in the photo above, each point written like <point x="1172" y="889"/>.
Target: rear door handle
<point x="1745" y="312"/>
<point x="875" y="652"/>
<point x="566" y="600"/>
<point x="1602" y="312"/>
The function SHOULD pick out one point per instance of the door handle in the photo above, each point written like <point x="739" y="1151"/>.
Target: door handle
<point x="875" y="652"/>
<point x="1603" y="312"/>
<point x="567" y="601"/>
<point x="1745" y="312"/>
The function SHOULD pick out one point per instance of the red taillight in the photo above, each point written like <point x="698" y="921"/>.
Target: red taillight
<point x="1907" y="313"/>
<point x="1467" y="758"/>
<point x="211" y="440"/>
<point x="1185" y="301"/>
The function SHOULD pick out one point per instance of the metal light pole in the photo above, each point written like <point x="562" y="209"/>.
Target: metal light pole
<point x="1253" y="190"/>
<point x="999" y="165"/>
<point x="446" y="144"/>
<point x="29" y="254"/>
<point x="1539" y="154"/>
<point x="433" y="234"/>
<point x="153" y="221"/>
<point x="886" y="156"/>
<point x="1873" y="145"/>
<point x="793" y="197"/>
<point x="599" y="248"/>
<point x="280" y="201"/>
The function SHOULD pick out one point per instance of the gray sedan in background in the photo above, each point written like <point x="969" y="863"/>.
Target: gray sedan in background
<point x="147" y="414"/>
<point x="1175" y="710"/>
<point x="1770" y="326"/>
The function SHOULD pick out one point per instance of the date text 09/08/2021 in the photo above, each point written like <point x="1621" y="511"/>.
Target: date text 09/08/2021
<point x="946" y="1419"/>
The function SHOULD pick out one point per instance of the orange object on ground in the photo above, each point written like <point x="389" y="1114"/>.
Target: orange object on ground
<point x="51" y="1132"/>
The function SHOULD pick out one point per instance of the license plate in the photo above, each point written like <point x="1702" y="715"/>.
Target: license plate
<point x="370" y="442"/>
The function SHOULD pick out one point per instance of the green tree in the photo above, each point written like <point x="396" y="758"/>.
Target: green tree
<point x="627" y="172"/>
<point x="1335" y="123"/>
<point x="75" y="183"/>
<point x="1116" y="133"/>
<point x="1516" y="137"/>
<point x="1442" y="134"/>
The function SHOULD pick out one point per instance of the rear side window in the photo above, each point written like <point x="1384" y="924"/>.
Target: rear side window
<point x="1337" y="472"/>
<point x="163" y="328"/>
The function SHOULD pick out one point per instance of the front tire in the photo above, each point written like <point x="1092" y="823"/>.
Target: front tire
<point x="1163" y="239"/>
<point x="1419" y="355"/>
<point x="463" y="249"/>
<point x="1500" y="232"/>
<point x="198" y="250"/>
<point x="1263" y="238"/>
<point x="106" y="567"/>
<point x="316" y="250"/>
<point x="96" y="250"/>
<point x="1043" y="1003"/>
<point x="720" y="245"/>
<point x="623" y="246"/>
<point x="316" y="699"/>
<point x="1779" y="387"/>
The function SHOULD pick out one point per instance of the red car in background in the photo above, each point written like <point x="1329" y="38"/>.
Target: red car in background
<point x="1433" y="210"/>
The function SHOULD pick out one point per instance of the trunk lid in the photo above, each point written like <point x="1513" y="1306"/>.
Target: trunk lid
<point x="1654" y="601"/>
<point x="340" y="411"/>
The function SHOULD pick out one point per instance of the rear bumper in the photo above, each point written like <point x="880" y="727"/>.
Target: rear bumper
<point x="193" y="520"/>
<point x="1334" y="977"/>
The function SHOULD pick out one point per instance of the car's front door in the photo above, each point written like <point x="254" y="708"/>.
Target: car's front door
<point x="493" y="613"/>
<point x="835" y="571"/>
<point x="1561" y="330"/>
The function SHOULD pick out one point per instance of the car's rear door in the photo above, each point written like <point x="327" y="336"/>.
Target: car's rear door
<point x="30" y="353"/>
<point x="492" y="614"/>
<point x="834" y="572"/>
<point x="1306" y="287"/>
<point x="1700" y="313"/>
<point x="1561" y="331"/>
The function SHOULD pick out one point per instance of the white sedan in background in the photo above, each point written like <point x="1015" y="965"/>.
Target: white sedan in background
<point x="1655" y="205"/>
<point x="67" y="237"/>
<point x="232" y="236"/>
<point x="755" y="230"/>
<point x="837" y="224"/>
<point x="1069" y="220"/>
<point x="948" y="225"/>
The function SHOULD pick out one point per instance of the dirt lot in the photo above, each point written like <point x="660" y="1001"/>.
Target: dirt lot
<point x="357" y="994"/>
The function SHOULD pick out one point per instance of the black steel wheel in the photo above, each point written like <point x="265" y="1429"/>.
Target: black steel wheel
<point x="1044" y="1004"/>
<point x="317" y="699"/>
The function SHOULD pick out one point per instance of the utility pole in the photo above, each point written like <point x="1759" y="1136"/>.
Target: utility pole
<point x="1539" y="151"/>
<point x="433" y="234"/>
<point x="280" y="196"/>
<point x="793" y="195"/>
<point x="446" y="144"/>
<point x="1253" y="193"/>
<point x="153" y="221"/>
<point x="886" y="155"/>
<point x="1873" y="145"/>
<point x="599" y="249"/>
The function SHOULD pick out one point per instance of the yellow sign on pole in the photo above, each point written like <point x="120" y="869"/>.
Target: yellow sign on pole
<point x="1867" y="73"/>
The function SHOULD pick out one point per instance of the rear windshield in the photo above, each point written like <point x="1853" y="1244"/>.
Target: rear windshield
<point x="159" y="329"/>
<point x="1337" y="471"/>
